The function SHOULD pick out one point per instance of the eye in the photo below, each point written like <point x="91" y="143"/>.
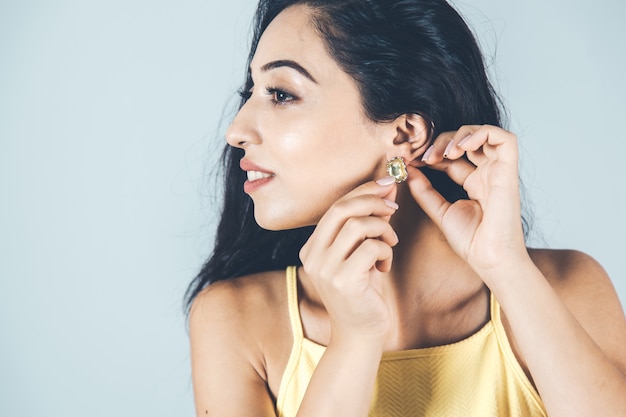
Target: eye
<point x="280" y="96"/>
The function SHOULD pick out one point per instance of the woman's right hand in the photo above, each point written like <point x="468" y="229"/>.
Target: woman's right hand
<point x="346" y="256"/>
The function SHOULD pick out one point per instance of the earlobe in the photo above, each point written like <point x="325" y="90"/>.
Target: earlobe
<point x="413" y="136"/>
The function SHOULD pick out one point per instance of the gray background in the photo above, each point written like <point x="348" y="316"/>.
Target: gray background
<point x="109" y="119"/>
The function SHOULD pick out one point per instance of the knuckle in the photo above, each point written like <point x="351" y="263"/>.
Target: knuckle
<point x="303" y="253"/>
<point x="339" y="285"/>
<point x="366" y="198"/>
<point x="370" y="246"/>
<point x="325" y="274"/>
<point x="338" y="209"/>
<point x="353" y="226"/>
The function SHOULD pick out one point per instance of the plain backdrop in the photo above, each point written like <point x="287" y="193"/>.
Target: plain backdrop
<point x="111" y="115"/>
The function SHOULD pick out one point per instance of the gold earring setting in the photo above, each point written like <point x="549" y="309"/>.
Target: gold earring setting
<point x="396" y="168"/>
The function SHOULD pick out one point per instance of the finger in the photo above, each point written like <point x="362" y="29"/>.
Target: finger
<point x="435" y="152"/>
<point x="445" y="145"/>
<point x="495" y="142"/>
<point x="458" y="170"/>
<point x="371" y="252"/>
<point x="452" y="152"/>
<point x="356" y="230"/>
<point x="481" y="143"/>
<point x="465" y="174"/>
<point x="494" y="147"/>
<point x="477" y="157"/>
<point x="354" y="204"/>
<point x="340" y="212"/>
<point x="390" y="200"/>
<point x="429" y="199"/>
<point x="381" y="187"/>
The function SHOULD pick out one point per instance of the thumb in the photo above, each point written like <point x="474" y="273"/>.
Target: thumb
<point x="429" y="199"/>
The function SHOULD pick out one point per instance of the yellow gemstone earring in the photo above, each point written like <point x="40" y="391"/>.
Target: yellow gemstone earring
<point x="396" y="168"/>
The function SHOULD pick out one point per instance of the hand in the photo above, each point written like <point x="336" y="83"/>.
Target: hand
<point x="346" y="256"/>
<point x="486" y="231"/>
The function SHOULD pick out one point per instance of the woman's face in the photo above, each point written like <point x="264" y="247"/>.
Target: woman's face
<point x="306" y="138"/>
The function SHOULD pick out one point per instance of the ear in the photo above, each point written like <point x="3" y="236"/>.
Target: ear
<point x="413" y="136"/>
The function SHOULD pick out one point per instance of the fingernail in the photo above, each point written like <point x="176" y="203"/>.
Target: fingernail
<point x="391" y="204"/>
<point x="448" y="148"/>
<point x="386" y="181"/>
<point x="465" y="139"/>
<point x="428" y="152"/>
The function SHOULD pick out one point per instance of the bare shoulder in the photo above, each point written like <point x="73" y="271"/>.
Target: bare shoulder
<point x="243" y="301"/>
<point x="247" y="313"/>
<point x="238" y="334"/>
<point x="586" y="289"/>
<point x="574" y="274"/>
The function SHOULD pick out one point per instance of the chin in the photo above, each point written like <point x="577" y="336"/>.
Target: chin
<point x="276" y="222"/>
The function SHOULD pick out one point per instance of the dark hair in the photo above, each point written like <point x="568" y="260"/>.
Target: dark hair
<point x="406" y="56"/>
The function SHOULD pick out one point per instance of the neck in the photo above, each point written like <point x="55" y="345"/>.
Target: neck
<point x="429" y="282"/>
<point x="423" y="258"/>
<point x="434" y="296"/>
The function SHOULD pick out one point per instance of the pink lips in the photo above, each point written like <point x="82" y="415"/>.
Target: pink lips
<point x="257" y="176"/>
<point x="246" y="165"/>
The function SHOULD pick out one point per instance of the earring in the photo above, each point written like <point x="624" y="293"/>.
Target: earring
<point x="396" y="168"/>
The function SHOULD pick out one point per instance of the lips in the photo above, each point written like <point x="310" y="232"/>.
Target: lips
<point x="248" y="166"/>
<point x="257" y="176"/>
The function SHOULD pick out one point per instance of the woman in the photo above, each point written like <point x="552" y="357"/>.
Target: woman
<point x="412" y="296"/>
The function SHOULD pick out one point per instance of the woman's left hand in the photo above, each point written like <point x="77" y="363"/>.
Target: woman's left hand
<point x="586" y="324"/>
<point x="485" y="230"/>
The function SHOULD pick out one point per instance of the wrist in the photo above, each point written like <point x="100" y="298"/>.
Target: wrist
<point x="366" y="344"/>
<point x="507" y="271"/>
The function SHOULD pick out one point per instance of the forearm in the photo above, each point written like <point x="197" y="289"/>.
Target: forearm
<point x="343" y="382"/>
<point x="573" y="375"/>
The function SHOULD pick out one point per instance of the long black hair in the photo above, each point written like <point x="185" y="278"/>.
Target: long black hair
<point x="406" y="56"/>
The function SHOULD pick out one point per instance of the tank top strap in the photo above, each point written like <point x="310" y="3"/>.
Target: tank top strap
<point x="496" y="320"/>
<point x="506" y="350"/>
<point x="285" y="399"/>
<point x="292" y="304"/>
<point x="494" y="309"/>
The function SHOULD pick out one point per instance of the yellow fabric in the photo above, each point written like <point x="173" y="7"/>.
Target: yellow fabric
<point x="478" y="376"/>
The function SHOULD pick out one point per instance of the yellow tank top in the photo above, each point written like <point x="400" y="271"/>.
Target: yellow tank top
<point x="478" y="376"/>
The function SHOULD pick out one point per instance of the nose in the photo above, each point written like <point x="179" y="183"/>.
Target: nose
<point x="243" y="131"/>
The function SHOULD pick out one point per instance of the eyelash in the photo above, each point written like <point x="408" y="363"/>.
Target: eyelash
<point x="275" y="93"/>
<point x="245" y="94"/>
<point x="287" y="97"/>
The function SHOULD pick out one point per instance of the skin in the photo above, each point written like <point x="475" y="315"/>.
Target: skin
<point x="309" y="128"/>
<point x="364" y="288"/>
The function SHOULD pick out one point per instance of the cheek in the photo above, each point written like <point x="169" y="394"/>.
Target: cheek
<point x="319" y="158"/>
<point x="292" y="205"/>
<point x="300" y="197"/>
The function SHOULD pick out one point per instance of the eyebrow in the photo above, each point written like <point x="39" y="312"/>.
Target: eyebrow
<point x="289" y="64"/>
